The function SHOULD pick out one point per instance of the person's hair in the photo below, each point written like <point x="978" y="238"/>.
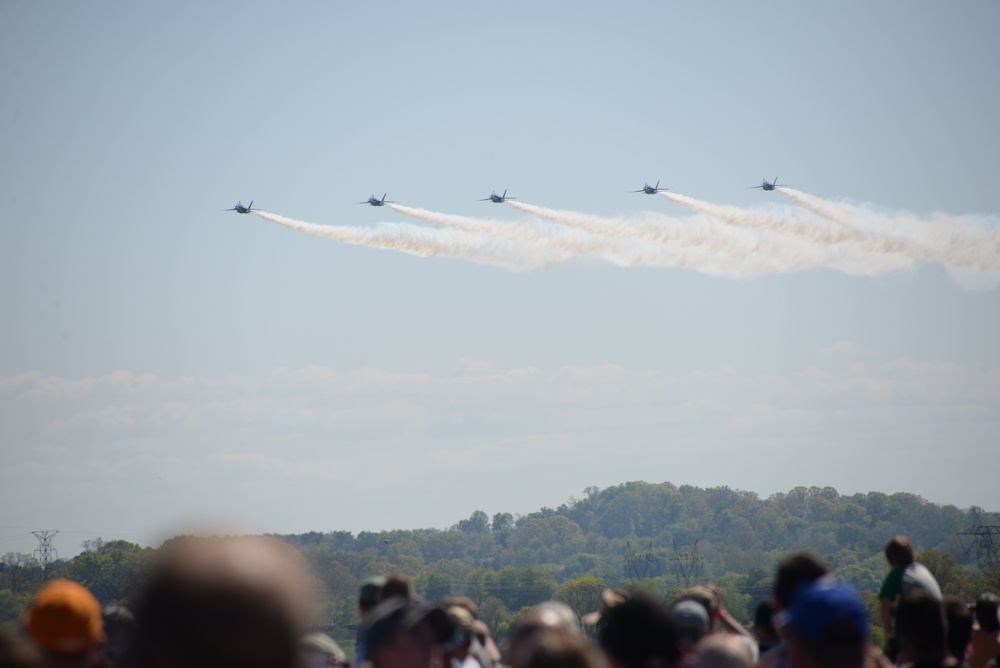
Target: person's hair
<point x="221" y="602"/>
<point x="899" y="551"/>
<point x="794" y="570"/>
<point x="119" y="633"/>
<point x="547" y="617"/>
<point x="959" y="626"/>
<point x="920" y="621"/>
<point x="763" y="617"/>
<point x="461" y="602"/>
<point x="397" y="584"/>
<point x="722" y="650"/>
<point x="704" y="597"/>
<point x="987" y="605"/>
<point x="641" y="633"/>
<point x="840" y="645"/>
<point x="564" y="650"/>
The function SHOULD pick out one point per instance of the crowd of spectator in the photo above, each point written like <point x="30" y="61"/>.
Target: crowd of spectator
<point x="243" y="603"/>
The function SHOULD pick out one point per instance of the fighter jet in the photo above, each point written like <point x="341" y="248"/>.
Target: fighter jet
<point x="496" y="199"/>
<point x="375" y="201"/>
<point x="770" y="186"/>
<point x="650" y="190"/>
<point x="239" y="208"/>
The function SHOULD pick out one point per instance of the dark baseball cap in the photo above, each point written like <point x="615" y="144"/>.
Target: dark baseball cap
<point x="398" y="615"/>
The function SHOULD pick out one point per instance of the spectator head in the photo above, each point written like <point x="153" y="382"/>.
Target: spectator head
<point x="548" y="617"/>
<point x="368" y="594"/>
<point x="221" y="601"/>
<point x="119" y="634"/>
<point x="64" y="619"/>
<point x="564" y="650"/>
<point x="482" y="633"/>
<point x="921" y="625"/>
<point x="462" y="602"/>
<point x="17" y="650"/>
<point x="722" y="650"/>
<point x="763" y="622"/>
<point x="640" y="633"/>
<point x="795" y="570"/>
<point x="899" y="552"/>
<point x="405" y="633"/>
<point x="987" y="606"/>
<point x="318" y="650"/>
<point x="692" y="623"/>
<point x="609" y="599"/>
<point x="461" y="621"/>
<point x="825" y="626"/>
<point x="399" y="585"/>
<point x="708" y="597"/>
<point x="959" y="618"/>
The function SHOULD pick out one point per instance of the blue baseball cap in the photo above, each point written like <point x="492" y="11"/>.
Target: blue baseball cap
<point x="819" y="606"/>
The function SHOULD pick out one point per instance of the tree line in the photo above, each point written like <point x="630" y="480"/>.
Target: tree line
<point x="658" y="538"/>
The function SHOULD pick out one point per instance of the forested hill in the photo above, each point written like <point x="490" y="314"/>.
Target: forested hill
<point x="722" y="529"/>
<point x="657" y="537"/>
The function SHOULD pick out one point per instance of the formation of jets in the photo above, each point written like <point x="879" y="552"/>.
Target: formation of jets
<point x="770" y="186"/>
<point x="239" y="208"/>
<point x="498" y="199"/>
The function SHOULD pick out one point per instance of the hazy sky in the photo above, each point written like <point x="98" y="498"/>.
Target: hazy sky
<point x="163" y="362"/>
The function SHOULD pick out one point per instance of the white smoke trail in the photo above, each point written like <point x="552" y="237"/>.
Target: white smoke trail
<point x="725" y="249"/>
<point x="558" y="239"/>
<point x="958" y="242"/>
<point x="494" y="228"/>
<point x="818" y="231"/>
<point x="425" y="242"/>
<point x="820" y="207"/>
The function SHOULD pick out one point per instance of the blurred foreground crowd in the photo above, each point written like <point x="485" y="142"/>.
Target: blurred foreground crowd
<point x="243" y="603"/>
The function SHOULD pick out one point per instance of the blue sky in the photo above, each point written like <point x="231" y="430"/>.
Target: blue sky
<point x="163" y="362"/>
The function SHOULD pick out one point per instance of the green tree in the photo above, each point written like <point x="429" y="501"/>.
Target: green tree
<point x="582" y="594"/>
<point x="437" y="586"/>
<point x="20" y="572"/>
<point x="13" y="605"/>
<point x="952" y="578"/>
<point x="478" y="523"/>
<point x="111" y="570"/>
<point x="523" y="586"/>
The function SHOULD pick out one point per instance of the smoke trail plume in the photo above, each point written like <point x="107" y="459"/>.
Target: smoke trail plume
<point x="815" y="231"/>
<point x="820" y="207"/>
<point x="493" y="228"/>
<point x="725" y="249"/>
<point x="720" y="240"/>
<point x="423" y="241"/>
<point x="953" y="241"/>
<point x="555" y="239"/>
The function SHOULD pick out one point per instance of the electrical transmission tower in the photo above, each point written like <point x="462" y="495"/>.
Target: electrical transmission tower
<point x="687" y="565"/>
<point x="985" y="540"/>
<point x="646" y="566"/>
<point x="45" y="553"/>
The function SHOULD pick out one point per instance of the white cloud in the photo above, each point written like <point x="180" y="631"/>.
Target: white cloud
<point x="844" y="348"/>
<point x="283" y="447"/>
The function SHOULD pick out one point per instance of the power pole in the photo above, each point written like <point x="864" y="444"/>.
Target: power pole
<point x="45" y="553"/>
<point x="687" y="565"/>
<point x="985" y="539"/>
<point x="646" y="566"/>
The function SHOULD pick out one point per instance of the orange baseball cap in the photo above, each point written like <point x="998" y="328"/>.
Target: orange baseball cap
<point x="64" y="618"/>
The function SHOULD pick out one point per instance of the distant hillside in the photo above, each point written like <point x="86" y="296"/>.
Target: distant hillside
<point x="637" y="535"/>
